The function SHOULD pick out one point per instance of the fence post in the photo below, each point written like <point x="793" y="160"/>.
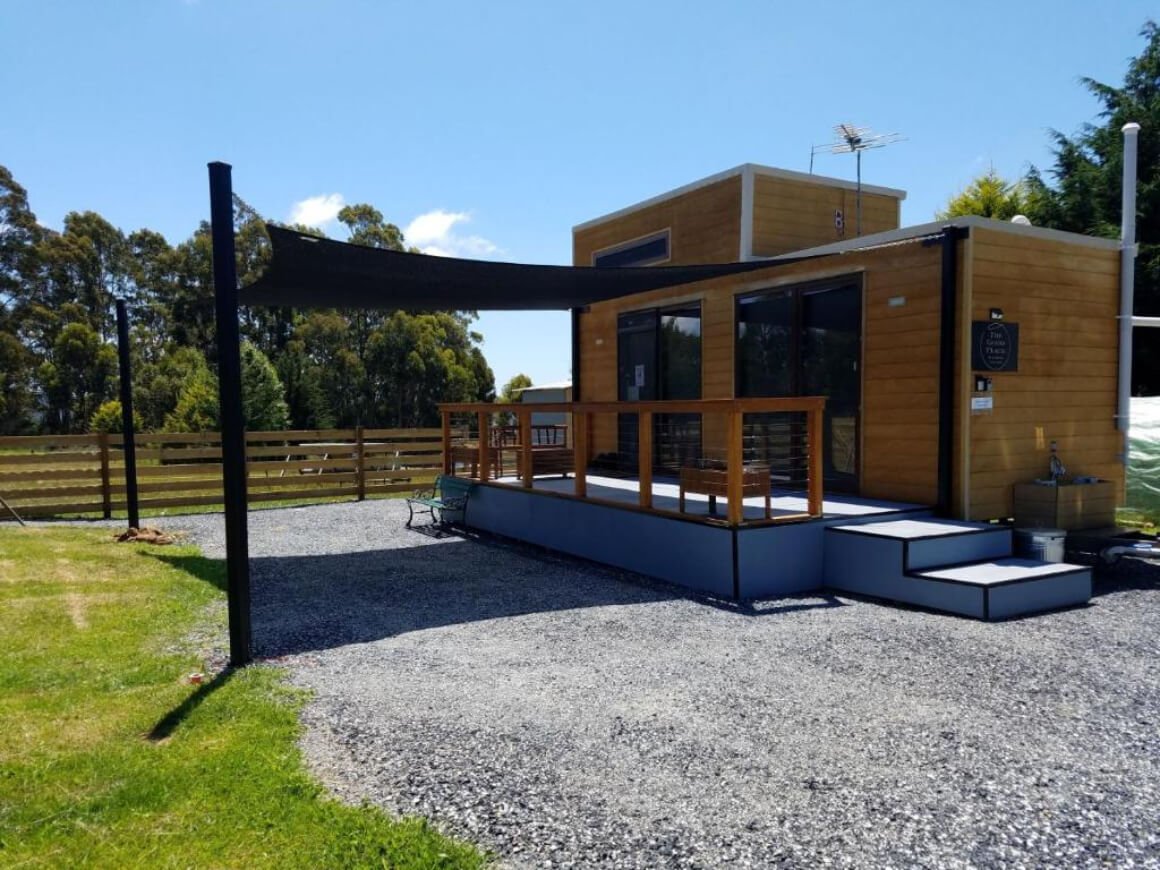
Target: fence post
<point x="734" y="459"/>
<point x="644" y="428"/>
<point x="360" y="463"/>
<point x="106" y="494"/>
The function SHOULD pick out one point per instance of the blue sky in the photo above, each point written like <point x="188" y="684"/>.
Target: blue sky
<point x="489" y="129"/>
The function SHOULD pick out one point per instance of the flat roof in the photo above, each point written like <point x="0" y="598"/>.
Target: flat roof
<point x="744" y="168"/>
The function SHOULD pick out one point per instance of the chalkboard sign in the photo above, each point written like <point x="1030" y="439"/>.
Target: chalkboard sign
<point x="994" y="346"/>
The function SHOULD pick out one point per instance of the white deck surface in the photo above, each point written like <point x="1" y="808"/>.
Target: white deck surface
<point x="666" y="497"/>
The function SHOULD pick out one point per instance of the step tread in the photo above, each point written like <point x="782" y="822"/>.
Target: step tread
<point x="917" y="530"/>
<point x="996" y="572"/>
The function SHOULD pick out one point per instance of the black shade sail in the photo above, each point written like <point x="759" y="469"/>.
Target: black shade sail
<point x="308" y="272"/>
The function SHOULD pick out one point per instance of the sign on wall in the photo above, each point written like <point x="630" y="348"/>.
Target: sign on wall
<point x="994" y="346"/>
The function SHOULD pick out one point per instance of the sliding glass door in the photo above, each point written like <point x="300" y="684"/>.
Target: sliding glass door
<point x="659" y="357"/>
<point x="805" y="341"/>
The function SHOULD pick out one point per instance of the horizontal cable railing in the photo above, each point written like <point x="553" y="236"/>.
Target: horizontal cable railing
<point x="663" y="456"/>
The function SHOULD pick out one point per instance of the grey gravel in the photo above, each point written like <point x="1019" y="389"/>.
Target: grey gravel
<point x="563" y="715"/>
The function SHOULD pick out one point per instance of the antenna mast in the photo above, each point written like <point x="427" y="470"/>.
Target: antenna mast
<point x="851" y="139"/>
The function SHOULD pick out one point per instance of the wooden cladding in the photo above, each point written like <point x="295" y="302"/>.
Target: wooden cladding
<point x="704" y="226"/>
<point x="47" y="475"/>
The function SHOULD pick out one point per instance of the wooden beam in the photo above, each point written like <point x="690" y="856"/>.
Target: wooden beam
<point x="734" y="458"/>
<point x="580" y="452"/>
<point x="644" y="439"/>
<point x="526" y="469"/>
<point x="815" y="437"/>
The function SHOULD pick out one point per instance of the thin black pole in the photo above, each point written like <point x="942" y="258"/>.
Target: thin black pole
<point x="130" y="435"/>
<point x="225" y="282"/>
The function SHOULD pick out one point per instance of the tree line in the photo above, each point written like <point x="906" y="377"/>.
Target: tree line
<point x="300" y="369"/>
<point x="1081" y="192"/>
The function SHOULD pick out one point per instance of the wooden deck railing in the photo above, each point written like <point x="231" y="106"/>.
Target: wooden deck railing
<point x="468" y="427"/>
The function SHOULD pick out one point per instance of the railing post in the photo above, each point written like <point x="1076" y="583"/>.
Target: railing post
<point x="814" y="437"/>
<point x="644" y="429"/>
<point x="106" y="495"/>
<point x="580" y="452"/>
<point x="448" y="461"/>
<point x="360" y="463"/>
<point x="734" y="458"/>
<point x="484" y="445"/>
<point x="525" y="418"/>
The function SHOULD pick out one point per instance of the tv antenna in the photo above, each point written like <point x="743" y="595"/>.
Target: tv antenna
<point x="849" y="138"/>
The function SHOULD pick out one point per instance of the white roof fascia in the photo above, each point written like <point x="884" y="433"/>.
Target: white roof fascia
<point x="905" y="233"/>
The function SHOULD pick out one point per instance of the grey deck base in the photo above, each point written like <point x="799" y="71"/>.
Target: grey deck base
<point x="960" y="568"/>
<point x="744" y="563"/>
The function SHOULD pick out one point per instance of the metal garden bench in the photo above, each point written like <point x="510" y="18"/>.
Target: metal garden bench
<point x="448" y="494"/>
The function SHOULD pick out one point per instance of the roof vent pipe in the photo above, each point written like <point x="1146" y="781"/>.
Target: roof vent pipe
<point x="1131" y="132"/>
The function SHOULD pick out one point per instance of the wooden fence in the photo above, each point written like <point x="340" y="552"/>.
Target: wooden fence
<point x="50" y="475"/>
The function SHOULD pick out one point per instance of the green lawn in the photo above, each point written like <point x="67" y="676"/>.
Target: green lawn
<point x="109" y="757"/>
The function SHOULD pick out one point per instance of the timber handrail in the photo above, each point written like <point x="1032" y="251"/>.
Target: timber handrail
<point x="484" y="454"/>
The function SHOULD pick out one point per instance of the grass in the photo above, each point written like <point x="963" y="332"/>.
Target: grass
<point x="109" y="757"/>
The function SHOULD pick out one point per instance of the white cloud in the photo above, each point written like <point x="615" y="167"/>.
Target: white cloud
<point x="317" y="211"/>
<point x="435" y="233"/>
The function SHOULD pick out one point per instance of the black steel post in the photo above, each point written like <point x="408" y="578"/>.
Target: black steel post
<point x="233" y="434"/>
<point x="946" y="383"/>
<point x="576" y="353"/>
<point x="130" y="435"/>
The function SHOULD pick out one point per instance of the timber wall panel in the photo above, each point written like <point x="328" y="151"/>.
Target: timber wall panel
<point x="899" y="453"/>
<point x="1065" y="298"/>
<point x="705" y="226"/>
<point x="792" y="215"/>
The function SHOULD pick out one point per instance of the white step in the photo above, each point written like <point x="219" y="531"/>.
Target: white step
<point x="1015" y="587"/>
<point x="957" y="567"/>
<point x="928" y="543"/>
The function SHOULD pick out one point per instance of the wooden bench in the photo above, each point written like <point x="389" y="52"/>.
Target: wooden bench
<point x="712" y="479"/>
<point x="448" y="494"/>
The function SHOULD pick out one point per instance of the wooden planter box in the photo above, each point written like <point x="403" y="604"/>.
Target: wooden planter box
<point x="1069" y="506"/>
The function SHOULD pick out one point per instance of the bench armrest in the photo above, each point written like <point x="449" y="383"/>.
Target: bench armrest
<point x="424" y="492"/>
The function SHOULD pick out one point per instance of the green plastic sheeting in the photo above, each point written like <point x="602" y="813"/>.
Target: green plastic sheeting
<point x="1144" y="455"/>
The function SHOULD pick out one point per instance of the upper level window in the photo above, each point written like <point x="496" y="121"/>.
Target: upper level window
<point x="645" y="251"/>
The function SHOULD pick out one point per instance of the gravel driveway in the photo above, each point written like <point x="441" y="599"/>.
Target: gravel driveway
<point x="563" y="715"/>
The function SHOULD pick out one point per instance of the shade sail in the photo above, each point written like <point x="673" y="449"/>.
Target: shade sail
<point x="308" y="272"/>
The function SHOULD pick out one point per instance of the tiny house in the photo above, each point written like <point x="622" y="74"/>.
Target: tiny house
<point x="954" y="356"/>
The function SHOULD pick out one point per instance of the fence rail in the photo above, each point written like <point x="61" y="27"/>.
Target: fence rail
<point x="51" y="475"/>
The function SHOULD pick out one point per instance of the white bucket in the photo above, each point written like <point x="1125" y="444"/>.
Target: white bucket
<point x="1045" y="545"/>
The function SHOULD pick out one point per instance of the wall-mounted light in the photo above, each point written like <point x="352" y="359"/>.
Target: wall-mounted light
<point x="996" y="313"/>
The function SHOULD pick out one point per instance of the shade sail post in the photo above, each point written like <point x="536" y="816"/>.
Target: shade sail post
<point x="129" y="444"/>
<point x="233" y="434"/>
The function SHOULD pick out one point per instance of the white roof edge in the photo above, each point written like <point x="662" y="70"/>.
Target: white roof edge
<point x="756" y="169"/>
<point x="919" y="230"/>
<point x="828" y="181"/>
<point x="555" y="385"/>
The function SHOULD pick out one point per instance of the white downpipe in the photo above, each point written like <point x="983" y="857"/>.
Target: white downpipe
<point x="1131" y="133"/>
